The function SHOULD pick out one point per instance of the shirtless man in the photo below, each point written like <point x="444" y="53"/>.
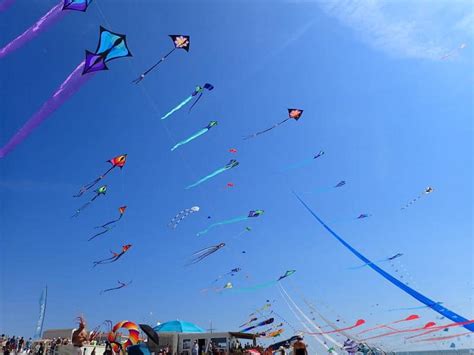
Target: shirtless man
<point x="79" y="336"/>
<point x="299" y="347"/>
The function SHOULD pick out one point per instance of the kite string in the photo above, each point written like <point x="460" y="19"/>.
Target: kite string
<point x="155" y="109"/>
<point x="303" y="323"/>
<point x="308" y="319"/>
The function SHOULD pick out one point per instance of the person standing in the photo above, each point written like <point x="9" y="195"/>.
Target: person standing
<point x="195" y="350"/>
<point x="299" y="347"/>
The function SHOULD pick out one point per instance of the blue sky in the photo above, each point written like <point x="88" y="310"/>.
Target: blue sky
<point x="391" y="116"/>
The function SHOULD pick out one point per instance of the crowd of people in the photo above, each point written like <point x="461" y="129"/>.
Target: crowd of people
<point x="19" y="345"/>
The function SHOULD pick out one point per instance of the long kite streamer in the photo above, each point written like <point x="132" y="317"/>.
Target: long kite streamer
<point x="378" y="261"/>
<point x="195" y="135"/>
<point x="415" y="294"/>
<point x="251" y="214"/>
<point x="232" y="164"/>
<point x="442" y="327"/>
<point x="198" y="91"/>
<point x="428" y="325"/>
<point x="182" y="215"/>
<point x="179" y="42"/>
<point x="109" y="225"/>
<point x="5" y="4"/>
<point x="293" y="114"/>
<point x="357" y="324"/>
<point x="387" y="325"/>
<point x="101" y="191"/>
<point x="49" y="19"/>
<point x="265" y="322"/>
<point x="111" y="46"/>
<point x="266" y="284"/>
<point x="69" y="87"/>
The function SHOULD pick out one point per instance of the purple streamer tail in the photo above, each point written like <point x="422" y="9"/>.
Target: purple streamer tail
<point x="5" y="4"/>
<point x="41" y="25"/>
<point x="69" y="87"/>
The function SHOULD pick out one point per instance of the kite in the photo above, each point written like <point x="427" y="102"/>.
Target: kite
<point x="230" y="184"/>
<point x="231" y="164"/>
<point x="204" y="253"/>
<point x="233" y="150"/>
<point x="121" y="285"/>
<point x="133" y="336"/>
<point x="231" y="273"/>
<point x="427" y="191"/>
<point x="415" y="294"/>
<point x="247" y="229"/>
<point x="304" y="162"/>
<point x="286" y="274"/>
<point x="179" y="41"/>
<point x="51" y="17"/>
<point x="275" y="333"/>
<point x="293" y="113"/>
<point x="111" y="46"/>
<point x="357" y="324"/>
<point x="387" y="325"/>
<point x="379" y="261"/>
<point x="118" y="161"/>
<point x="199" y="90"/>
<point x="454" y="51"/>
<point x="350" y="346"/>
<point x="109" y="225"/>
<point x="363" y="215"/>
<point x="251" y="214"/>
<point x="328" y="188"/>
<point x="266" y="284"/>
<point x="182" y="215"/>
<point x="114" y="257"/>
<point x="251" y="320"/>
<point x="5" y="4"/>
<point x="265" y="322"/>
<point x="99" y="192"/>
<point x="195" y="135"/>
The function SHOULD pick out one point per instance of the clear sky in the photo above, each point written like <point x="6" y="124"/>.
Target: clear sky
<point x="391" y="116"/>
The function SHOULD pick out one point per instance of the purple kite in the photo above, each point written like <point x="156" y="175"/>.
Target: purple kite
<point x="111" y="46"/>
<point x="51" y="17"/>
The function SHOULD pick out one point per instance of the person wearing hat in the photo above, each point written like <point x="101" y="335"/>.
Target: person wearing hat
<point x="299" y="347"/>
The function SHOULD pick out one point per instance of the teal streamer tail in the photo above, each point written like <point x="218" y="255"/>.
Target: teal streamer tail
<point x="177" y="107"/>
<point x="256" y="287"/>
<point x="215" y="173"/>
<point x="229" y="221"/>
<point x="194" y="136"/>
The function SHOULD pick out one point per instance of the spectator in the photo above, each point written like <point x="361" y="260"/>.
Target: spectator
<point x="299" y="347"/>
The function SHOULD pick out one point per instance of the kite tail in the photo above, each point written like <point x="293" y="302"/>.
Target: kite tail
<point x="177" y="107"/>
<point x="256" y="287"/>
<point x="70" y="86"/>
<point x="364" y="265"/>
<point x="435" y="306"/>
<point x="41" y="25"/>
<point x="217" y="172"/>
<point x="230" y="221"/>
<point x="194" y="136"/>
<point x="5" y="4"/>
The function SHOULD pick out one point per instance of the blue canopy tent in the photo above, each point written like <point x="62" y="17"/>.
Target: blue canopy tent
<point x="178" y="327"/>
